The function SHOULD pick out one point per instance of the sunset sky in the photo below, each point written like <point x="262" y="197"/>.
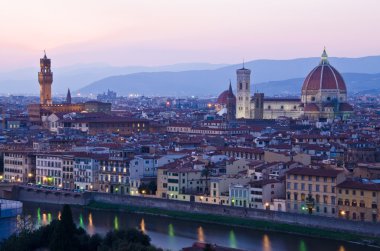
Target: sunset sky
<point x="158" y="32"/>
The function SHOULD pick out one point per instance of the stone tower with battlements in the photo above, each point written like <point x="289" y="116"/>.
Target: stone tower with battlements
<point x="45" y="78"/>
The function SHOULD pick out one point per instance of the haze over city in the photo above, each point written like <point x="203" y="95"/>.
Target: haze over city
<point x="152" y="33"/>
<point x="202" y="125"/>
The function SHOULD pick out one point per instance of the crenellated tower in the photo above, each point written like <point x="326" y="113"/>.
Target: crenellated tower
<point x="45" y="78"/>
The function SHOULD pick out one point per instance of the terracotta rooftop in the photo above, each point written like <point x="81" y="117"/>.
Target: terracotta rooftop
<point x="314" y="172"/>
<point x="354" y="184"/>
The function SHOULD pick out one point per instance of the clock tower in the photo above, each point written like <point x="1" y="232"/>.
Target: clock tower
<point x="45" y="78"/>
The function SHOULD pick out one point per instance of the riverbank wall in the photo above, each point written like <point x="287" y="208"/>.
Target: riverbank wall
<point x="303" y="220"/>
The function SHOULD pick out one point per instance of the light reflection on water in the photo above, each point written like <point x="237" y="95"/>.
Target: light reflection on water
<point x="142" y="226"/>
<point x="266" y="243"/>
<point x="175" y="234"/>
<point x="116" y="223"/>
<point x="201" y="234"/>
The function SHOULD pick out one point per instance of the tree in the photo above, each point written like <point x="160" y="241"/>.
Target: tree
<point x="206" y="172"/>
<point x="152" y="186"/>
<point x="63" y="238"/>
<point x="149" y="188"/>
<point x="25" y="223"/>
<point x="62" y="235"/>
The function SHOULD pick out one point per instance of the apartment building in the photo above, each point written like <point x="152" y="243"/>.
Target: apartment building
<point x="19" y="166"/>
<point x="49" y="169"/>
<point x="310" y="190"/>
<point x="86" y="171"/>
<point x="263" y="192"/>
<point x="359" y="200"/>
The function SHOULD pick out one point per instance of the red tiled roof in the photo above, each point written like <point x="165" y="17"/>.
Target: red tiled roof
<point x="324" y="76"/>
<point x="352" y="184"/>
<point x="311" y="108"/>
<point x="315" y="172"/>
<point x="223" y="97"/>
<point x="345" y="107"/>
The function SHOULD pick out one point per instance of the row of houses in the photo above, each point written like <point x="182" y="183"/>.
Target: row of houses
<point x="271" y="183"/>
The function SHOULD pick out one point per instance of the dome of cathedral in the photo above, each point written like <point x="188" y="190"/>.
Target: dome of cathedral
<point x="223" y="97"/>
<point x="324" y="77"/>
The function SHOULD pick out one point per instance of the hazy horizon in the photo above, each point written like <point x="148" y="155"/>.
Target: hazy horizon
<point x="163" y="32"/>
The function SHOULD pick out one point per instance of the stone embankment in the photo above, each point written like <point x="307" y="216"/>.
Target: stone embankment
<point x="34" y="194"/>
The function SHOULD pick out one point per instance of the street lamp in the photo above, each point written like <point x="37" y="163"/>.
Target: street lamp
<point x="267" y="206"/>
<point x="310" y="203"/>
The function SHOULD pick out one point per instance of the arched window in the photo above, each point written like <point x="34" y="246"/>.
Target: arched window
<point x="269" y="107"/>
<point x="346" y="202"/>
<point x="240" y="86"/>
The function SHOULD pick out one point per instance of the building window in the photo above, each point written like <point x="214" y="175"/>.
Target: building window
<point x="361" y="204"/>
<point x="354" y="203"/>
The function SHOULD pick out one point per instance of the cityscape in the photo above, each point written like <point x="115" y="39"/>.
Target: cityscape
<point x="222" y="162"/>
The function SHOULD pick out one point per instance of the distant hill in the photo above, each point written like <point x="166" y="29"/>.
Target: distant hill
<point x="274" y="77"/>
<point x="180" y="79"/>
<point x="24" y="81"/>
<point x="355" y="82"/>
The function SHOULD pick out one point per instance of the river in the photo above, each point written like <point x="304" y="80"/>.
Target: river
<point x="174" y="234"/>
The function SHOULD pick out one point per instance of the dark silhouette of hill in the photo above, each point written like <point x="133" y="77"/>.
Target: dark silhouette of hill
<point x="274" y="77"/>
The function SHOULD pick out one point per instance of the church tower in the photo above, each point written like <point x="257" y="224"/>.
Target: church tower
<point x="243" y="97"/>
<point x="231" y="104"/>
<point x="45" y="78"/>
<point x="68" y="97"/>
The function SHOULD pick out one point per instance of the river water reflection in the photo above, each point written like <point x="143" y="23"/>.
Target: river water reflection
<point x="174" y="234"/>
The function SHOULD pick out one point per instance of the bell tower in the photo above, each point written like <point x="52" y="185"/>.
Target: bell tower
<point x="45" y="78"/>
<point x="243" y="97"/>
